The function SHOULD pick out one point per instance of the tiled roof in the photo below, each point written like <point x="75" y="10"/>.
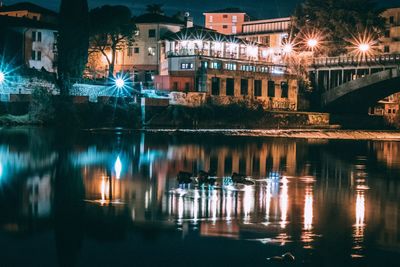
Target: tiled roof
<point x="27" y="6"/>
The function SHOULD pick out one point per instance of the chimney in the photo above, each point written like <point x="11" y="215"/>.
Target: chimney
<point x="188" y="20"/>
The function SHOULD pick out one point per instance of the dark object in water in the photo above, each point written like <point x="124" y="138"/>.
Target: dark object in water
<point x="287" y="257"/>
<point x="241" y="179"/>
<point x="184" y="177"/>
<point x="203" y="177"/>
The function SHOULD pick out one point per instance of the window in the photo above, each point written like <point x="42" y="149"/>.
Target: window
<point x="39" y="37"/>
<point x="210" y="19"/>
<point x="187" y="86"/>
<point x="37" y="55"/>
<point x="175" y="86"/>
<point x="230" y="66"/>
<point x="234" y="29"/>
<point x="34" y="17"/>
<point x="186" y="66"/>
<point x="391" y="19"/>
<point x="230" y="86"/>
<point x="387" y="34"/>
<point x="228" y="165"/>
<point x="244" y="87"/>
<point x="386" y="49"/>
<point x="151" y="51"/>
<point x="225" y="26"/>
<point x="225" y="16"/>
<point x="33" y="36"/>
<point x="215" y="86"/>
<point x="285" y="89"/>
<point x="215" y="65"/>
<point x="234" y="18"/>
<point x="152" y="33"/>
<point x="271" y="88"/>
<point x="257" y="88"/>
<point x="136" y="50"/>
<point x="130" y="51"/>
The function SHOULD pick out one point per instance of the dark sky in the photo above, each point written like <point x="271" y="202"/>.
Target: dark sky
<point x="256" y="8"/>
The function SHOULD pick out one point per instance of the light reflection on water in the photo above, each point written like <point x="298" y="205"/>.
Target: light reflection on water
<point x="305" y="193"/>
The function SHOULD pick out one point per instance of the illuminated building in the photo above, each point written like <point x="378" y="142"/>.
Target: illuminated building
<point x="224" y="67"/>
<point x="226" y="21"/>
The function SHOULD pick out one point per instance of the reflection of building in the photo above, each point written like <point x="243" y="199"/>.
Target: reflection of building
<point x="224" y="67"/>
<point x="226" y="21"/>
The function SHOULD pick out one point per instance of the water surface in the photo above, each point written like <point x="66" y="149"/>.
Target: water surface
<point x="109" y="199"/>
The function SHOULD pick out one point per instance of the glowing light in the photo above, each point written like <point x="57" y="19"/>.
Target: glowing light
<point x="232" y="47"/>
<point x="363" y="44"/>
<point x="308" y="211"/>
<point x="119" y="83"/>
<point x="312" y="43"/>
<point x="118" y="168"/>
<point x="284" y="202"/>
<point x="360" y="210"/>
<point x="288" y="48"/>
<point x="364" y="47"/>
<point x="2" y="77"/>
<point x="252" y="51"/>
<point x="217" y="46"/>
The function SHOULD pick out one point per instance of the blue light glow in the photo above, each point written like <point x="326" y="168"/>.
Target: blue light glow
<point x="119" y="83"/>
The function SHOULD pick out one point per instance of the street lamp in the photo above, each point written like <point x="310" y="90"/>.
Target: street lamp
<point x="119" y="83"/>
<point x="312" y="43"/>
<point x="2" y="77"/>
<point x="364" y="47"/>
<point x="288" y="48"/>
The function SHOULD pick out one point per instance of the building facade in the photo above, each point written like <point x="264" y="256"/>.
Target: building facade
<point x="226" y="21"/>
<point x="30" y="42"/>
<point x="390" y="43"/>
<point x="225" y="68"/>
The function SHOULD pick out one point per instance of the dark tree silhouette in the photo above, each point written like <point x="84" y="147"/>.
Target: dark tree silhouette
<point x="155" y="9"/>
<point x="73" y="41"/>
<point x="111" y="29"/>
<point x="337" y="21"/>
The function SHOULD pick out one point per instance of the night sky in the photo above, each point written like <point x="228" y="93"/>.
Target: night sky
<point x="255" y="8"/>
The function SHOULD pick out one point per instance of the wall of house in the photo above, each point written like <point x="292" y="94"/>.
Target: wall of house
<point x="390" y="43"/>
<point x="225" y="23"/>
<point x="47" y="48"/>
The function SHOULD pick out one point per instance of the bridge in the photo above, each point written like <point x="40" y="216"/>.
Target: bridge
<point x="353" y="84"/>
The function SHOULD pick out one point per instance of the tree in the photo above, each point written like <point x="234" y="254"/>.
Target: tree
<point x="73" y="41"/>
<point x="111" y="29"/>
<point x="155" y="9"/>
<point x="337" y="22"/>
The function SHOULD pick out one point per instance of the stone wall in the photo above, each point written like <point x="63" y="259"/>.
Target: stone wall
<point x="192" y="99"/>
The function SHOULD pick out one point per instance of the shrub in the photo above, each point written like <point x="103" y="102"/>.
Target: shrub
<point x="41" y="109"/>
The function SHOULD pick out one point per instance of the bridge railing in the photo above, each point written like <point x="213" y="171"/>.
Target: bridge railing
<point x="356" y="60"/>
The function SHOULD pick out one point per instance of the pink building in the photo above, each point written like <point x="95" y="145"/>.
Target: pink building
<point x="226" y="21"/>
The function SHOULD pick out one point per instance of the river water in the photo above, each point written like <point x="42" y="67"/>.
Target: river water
<point x="112" y="199"/>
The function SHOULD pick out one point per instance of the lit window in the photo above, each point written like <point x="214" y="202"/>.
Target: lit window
<point x="234" y="18"/>
<point x="186" y="66"/>
<point x="234" y="29"/>
<point x="210" y="19"/>
<point x="152" y="51"/>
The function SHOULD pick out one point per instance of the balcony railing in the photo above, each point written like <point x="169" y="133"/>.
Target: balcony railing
<point x="354" y="60"/>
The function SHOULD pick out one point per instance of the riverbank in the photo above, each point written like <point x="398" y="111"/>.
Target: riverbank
<point x="294" y="133"/>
